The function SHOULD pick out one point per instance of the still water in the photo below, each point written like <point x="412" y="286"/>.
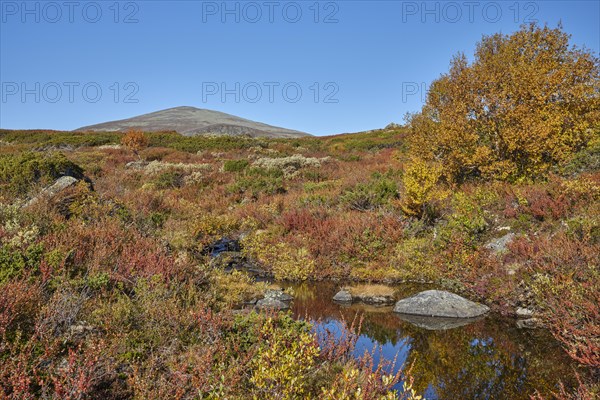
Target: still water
<point x="487" y="359"/>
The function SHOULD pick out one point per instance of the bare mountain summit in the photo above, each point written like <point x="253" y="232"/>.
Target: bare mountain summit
<point x="191" y="121"/>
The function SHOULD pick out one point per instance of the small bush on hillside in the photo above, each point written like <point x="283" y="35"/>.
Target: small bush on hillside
<point x="135" y="140"/>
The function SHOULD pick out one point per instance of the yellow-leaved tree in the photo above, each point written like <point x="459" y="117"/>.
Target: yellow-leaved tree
<point x="526" y="102"/>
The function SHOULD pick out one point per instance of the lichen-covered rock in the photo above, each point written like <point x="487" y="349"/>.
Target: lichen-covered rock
<point x="278" y="295"/>
<point x="524" y="312"/>
<point x="439" y="303"/>
<point x="343" y="296"/>
<point x="55" y="189"/>
<point x="271" y="303"/>
<point x="499" y="245"/>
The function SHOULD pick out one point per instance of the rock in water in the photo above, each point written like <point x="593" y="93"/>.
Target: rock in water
<point x="439" y="303"/>
<point x="343" y="296"/>
<point x="271" y="303"/>
<point x="279" y="295"/>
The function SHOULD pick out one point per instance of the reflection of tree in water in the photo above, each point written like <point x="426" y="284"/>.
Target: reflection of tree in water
<point x="489" y="359"/>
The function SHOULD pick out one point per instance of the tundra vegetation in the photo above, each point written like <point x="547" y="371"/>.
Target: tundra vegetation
<point x="108" y="290"/>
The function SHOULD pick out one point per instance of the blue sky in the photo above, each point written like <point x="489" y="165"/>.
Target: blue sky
<point x="321" y="67"/>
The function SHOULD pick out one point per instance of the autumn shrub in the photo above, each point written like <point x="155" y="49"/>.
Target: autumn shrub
<point x="283" y="260"/>
<point x="135" y="140"/>
<point x="586" y="159"/>
<point x="414" y="259"/>
<point x="284" y="362"/>
<point x="419" y="181"/>
<point x="481" y="119"/>
<point x="169" y="180"/>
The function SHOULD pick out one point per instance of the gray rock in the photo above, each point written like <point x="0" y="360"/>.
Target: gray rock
<point x="279" y="295"/>
<point x="376" y="299"/>
<point x="270" y="303"/>
<point x="524" y="312"/>
<point x="137" y="165"/>
<point x="343" y="296"/>
<point x="439" y="303"/>
<point x="55" y="189"/>
<point x="437" y="323"/>
<point x="530" y="323"/>
<point x="499" y="245"/>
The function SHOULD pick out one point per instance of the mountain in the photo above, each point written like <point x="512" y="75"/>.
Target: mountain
<point x="191" y="121"/>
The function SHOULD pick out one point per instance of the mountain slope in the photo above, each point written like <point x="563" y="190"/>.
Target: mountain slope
<point x="191" y="121"/>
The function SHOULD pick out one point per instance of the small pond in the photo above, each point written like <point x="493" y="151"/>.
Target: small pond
<point x="487" y="359"/>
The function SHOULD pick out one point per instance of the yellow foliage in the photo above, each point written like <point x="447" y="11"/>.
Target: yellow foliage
<point x="582" y="187"/>
<point x="285" y="261"/>
<point x="281" y="366"/>
<point x="526" y="102"/>
<point x="420" y="179"/>
<point x="350" y="384"/>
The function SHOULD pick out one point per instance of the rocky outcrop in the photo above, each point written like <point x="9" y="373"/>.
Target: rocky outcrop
<point x="439" y="303"/>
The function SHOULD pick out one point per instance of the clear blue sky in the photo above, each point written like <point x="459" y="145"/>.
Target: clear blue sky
<point x="370" y="59"/>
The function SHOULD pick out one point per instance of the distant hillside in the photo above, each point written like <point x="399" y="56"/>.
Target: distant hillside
<point x="191" y="121"/>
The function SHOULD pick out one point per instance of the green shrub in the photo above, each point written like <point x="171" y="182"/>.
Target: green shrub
<point x="257" y="185"/>
<point x="366" y="196"/>
<point x="169" y="180"/>
<point x="19" y="172"/>
<point x="13" y="261"/>
<point x="235" y="165"/>
<point x="467" y="219"/>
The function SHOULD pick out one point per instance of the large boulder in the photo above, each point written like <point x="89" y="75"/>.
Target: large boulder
<point x="439" y="303"/>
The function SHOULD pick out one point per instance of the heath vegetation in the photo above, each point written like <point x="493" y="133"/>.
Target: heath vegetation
<point x="113" y="293"/>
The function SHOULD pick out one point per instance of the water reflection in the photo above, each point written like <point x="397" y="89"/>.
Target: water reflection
<point x="487" y="359"/>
